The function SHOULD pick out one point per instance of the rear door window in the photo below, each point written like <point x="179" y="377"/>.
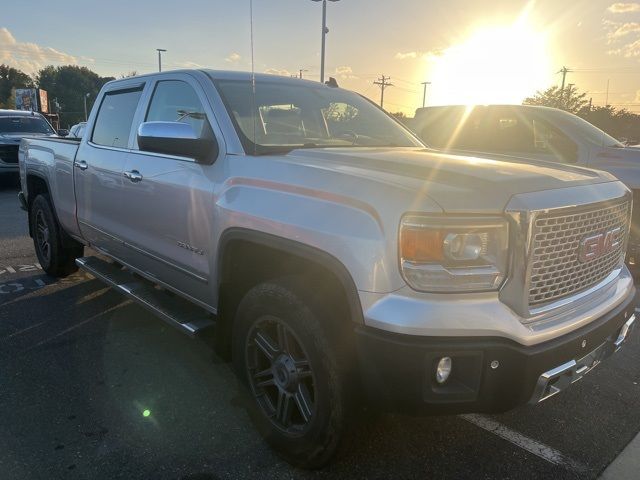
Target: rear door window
<point x="551" y="141"/>
<point x="508" y="132"/>
<point x="115" y="117"/>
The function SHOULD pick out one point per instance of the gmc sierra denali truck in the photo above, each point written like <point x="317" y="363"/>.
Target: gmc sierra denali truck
<point x="337" y="259"/>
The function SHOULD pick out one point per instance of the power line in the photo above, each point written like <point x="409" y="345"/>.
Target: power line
<point x="384" y="83"/>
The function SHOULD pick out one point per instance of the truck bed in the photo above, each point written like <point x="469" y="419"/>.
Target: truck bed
<point x="52" y="160"/>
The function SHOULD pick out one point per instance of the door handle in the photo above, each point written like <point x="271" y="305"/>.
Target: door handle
<point x="133" y="175"/>
<point x="82" y="165"/>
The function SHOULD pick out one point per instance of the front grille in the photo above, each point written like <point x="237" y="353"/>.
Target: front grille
<point x="9" y="153"/>
<point x="635" y="216"/>
<point x="556" y="271"/>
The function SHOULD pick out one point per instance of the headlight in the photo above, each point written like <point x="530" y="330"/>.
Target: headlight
<point x="454" y="254"/>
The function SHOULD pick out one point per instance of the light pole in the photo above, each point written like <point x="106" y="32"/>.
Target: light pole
<point x="424" y="93"/>
<point x="160" y="50"/>
<point x="325" y="30"/>
<point x="86" y="95"/>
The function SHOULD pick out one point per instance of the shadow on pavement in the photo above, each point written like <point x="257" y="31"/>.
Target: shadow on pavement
<point x="97" y="385"/>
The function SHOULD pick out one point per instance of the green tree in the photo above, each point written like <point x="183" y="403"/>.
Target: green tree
<point x="621" y="124"/>
<point x="67" y="85"/>
<point x="570" y="99"/>
<point x="10" y="79"/>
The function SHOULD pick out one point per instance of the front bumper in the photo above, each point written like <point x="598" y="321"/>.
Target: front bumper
<point x="490" y="374"/>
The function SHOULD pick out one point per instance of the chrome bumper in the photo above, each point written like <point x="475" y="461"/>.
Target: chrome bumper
<point x="561" y="377"/>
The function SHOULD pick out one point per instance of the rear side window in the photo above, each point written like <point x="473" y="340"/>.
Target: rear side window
<point x="508" y="132"/>
<point x="115" y="117"/>
<point x="177" y="101"/>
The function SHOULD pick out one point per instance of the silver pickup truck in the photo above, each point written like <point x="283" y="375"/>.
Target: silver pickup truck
<point x="336" y="259"/>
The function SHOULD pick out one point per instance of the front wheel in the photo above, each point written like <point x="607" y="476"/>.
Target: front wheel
<point x="55" y="258"/>
<point x="282" y="351"/>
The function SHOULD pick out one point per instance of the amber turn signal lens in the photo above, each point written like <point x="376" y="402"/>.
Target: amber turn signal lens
<point x="421" y="245"/>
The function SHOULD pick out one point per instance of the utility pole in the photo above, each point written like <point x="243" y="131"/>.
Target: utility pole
<point x="606" y="102"/>
<point x="424" y="93"/>
<point x="563" y="71"/>
<point x="384" y="83"/>
<point x="160" y="50"/>
<point x="302" y="70"/>
<point x="86" y="95"/>
<point x="325" y="30"/>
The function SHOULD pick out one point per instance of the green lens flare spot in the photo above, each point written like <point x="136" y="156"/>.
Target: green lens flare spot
<point x="146" y="413"/>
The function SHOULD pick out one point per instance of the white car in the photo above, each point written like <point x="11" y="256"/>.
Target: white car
<point x="77" y="130"/>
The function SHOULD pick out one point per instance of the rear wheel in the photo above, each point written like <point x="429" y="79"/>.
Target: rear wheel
<point x="55" y="258"/>
<point x="282" y="351"/>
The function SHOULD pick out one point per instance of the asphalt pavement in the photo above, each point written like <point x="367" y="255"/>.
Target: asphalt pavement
<point x="94" y="387"/>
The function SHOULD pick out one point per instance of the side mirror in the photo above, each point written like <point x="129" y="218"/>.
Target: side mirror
<point x="177" y="138"/>
<point x="63" y="132"/>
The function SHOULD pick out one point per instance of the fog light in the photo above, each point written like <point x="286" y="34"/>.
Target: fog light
<point x="443" y="369"/>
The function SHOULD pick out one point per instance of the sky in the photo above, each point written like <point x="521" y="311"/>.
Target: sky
<point x="471" y="51"/>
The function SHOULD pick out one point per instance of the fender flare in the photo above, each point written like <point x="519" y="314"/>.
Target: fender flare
<point x="305" y="252"/>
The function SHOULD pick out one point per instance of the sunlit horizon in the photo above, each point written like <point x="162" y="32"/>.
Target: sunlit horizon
<point x="500" y="63"/>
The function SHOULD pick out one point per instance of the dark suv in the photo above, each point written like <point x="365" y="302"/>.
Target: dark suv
<point x="14" y="125"/>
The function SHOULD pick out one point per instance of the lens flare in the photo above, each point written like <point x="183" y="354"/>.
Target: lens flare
<point x="502" y="64"/>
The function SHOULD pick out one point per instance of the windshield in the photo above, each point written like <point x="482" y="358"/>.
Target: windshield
<point x="590" y="132"/>
<point x="24" y="125"/>
<point x="290" y="116"/>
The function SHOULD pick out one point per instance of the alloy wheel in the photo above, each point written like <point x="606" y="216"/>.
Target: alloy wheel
<point x="280" y="375"/>
<point x="42" y="236"/>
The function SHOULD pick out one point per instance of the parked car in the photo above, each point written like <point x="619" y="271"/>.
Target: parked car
<point x="533" y="132"/>
<point x="14" y="125"/>
<point x="77" y="130"/>
<point x="337" y="259"/>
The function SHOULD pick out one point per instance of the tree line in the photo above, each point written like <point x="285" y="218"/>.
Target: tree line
<point x="617" y="122"/>
<point x="66" y="88"/>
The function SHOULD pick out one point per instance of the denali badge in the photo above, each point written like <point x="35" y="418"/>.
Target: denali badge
<point x="186" y="246"/>
<point x="598" y="245"/>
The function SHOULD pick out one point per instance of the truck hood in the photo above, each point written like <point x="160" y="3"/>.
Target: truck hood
<point x="455" y="182"/>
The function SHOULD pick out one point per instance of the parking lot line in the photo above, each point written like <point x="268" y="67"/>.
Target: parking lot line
<point x="19" y="332"/>
<point x="627" y="465"/>
<point x="78" y="325"/>
<point x="535" y="447"/>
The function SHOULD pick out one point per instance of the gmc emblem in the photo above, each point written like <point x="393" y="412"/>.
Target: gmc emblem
<point x="598" y="245"/>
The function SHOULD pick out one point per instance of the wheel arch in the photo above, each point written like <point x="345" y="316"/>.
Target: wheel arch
<point x="240" y="249"/>
<point x="37" y="184"/>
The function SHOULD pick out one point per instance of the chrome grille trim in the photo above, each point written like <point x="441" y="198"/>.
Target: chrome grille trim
<point x="554" y="269"/>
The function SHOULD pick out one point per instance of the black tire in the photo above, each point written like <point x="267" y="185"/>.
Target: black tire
<point x="304" y="368"/>
<point x="55" y="258"/>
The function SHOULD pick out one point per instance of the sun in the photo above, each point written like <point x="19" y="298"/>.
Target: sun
<point x="499" y="64"/>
